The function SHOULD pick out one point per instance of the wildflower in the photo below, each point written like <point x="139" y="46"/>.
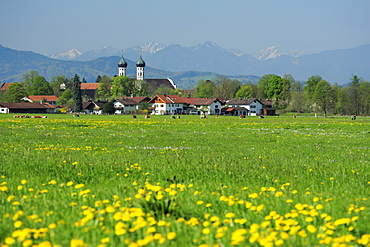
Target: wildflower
<point x="18" y="224"/>
<point x="311" y="228"/>
<point x="78" y="186"/>
<point x="171" y="235"/>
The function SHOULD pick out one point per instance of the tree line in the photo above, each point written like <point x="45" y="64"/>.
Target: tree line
<point x="314" y="95"/>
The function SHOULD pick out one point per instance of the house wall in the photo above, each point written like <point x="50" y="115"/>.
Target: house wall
<point x="4" y="110"/>
<point x="167" y="108"/>
<point x="125" y="108"/>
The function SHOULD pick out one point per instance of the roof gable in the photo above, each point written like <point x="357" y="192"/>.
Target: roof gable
<point x="89" y="86"/>
<point x="43" y="97"/>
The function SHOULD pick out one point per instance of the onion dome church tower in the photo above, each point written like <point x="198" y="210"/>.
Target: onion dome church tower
<point x="122" y="65"/>
<point x="140" y="65"/>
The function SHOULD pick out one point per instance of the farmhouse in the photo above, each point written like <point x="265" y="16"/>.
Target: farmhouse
<point x="247" y="107"/>
<point x="206" y="106"/>
<point x="26" y="107"/>
<point x="125" y="105"/>
<point x="167" y="104"/>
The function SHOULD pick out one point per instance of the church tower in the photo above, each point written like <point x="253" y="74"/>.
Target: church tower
<point x="122" y="65"/>
<point x="140" y="65"/>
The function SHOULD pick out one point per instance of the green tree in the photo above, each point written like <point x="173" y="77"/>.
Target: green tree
<point x="225" y="87"/>
<point x="287" y="83"/>
<point x="274" y="87"/>
<point x="245" y="92"/>
<point x="310" y="86"/>
<point x="40" y="87"/>
<point x="354" y="94"/>
<point x="141" y="88"/>
<point x="365" y="97"/>
<point x="323" y="96"/>
<point x="108" y="108"/>
<point x="204" y="89"/>
<point x="65" y="97"/>
<point x="76" y="93"/>
<point x="29" y="77"/>
<point x="121" y="86"/>
<point x="56" y="82"/>
<point x="14" y="93"/>
<point x="98" y="79"/>
<point x="103" y="92"/>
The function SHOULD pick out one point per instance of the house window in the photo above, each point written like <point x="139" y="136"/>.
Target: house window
<point x="216" y="106"/>
<point x="253" y="106"/>
<point x="161" y="105"/>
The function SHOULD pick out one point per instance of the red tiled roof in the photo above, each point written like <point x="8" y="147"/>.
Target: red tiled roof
<point x="127" y="101"/>
<point x="89" y="86"/>
<point x="6" y="85"/>
<point x="200" y="101"/>
<point x="139" y="99"/>
<point x="43" y="97"/>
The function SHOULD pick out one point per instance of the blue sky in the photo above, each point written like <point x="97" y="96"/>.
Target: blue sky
<point x="50" y="26"/>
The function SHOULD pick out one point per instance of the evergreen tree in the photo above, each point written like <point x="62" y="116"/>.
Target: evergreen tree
<point x="76" y="92"/>
<point x="109" y="108"/>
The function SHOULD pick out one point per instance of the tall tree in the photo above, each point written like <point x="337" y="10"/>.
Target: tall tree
<point x="103" y="92"/>
<point x="287" y="83"/>
<point x="121" y="86"/>
<point x="14" y="93"/>
<point x="365" y="97"/>
<point x="225" y="87"/>
<point x="204" y="89"/>
<point x="274" y="87"/>
<point x="40" y="86"/>
<point x="310" y="86"/>
<point x="29" y="77"/>
<point x="354" y="94"/>
<point x="245" y="92"/>
<point x="323" y="96"/>
<point x="76" y="92"/>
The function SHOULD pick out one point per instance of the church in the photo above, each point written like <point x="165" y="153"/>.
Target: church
<point x="140" y="75"/>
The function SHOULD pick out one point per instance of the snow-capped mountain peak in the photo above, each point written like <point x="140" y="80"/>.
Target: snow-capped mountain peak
<point x="67" y="55"/>
<point x="274" y="52"/>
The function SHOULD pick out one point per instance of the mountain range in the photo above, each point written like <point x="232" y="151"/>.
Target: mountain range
<point x="186" y="65"/>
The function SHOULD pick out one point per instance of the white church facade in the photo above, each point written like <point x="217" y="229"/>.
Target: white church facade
<point x="140" y="74"/>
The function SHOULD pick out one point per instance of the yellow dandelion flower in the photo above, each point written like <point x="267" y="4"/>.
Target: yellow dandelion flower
<point x="78" y="186"/>
<point x="311" y="228"/>
<point x="23" y="181"/>
<point x="18" y="224"/>
<point x="171" y="235"/>
<point x="206" y="231"/>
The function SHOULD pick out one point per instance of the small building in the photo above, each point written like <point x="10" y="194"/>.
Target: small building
<point x="167" y="104"/>
<point x="253" y="106"/>
<point x="26" y="107"/>
<point x="206" y="106"/>
<point x="125" y="105"/>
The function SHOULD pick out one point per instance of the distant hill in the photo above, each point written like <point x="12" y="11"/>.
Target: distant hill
<point x="203" y="61"/>
<point x="13" y="64"/>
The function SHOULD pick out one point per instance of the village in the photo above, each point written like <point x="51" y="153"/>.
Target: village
<point x="161" y="104"/>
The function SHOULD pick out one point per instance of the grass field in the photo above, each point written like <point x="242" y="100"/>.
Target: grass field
<point x="117" y="181"/>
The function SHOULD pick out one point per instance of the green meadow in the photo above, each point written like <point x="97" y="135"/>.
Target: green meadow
<point x="117" y="181"/>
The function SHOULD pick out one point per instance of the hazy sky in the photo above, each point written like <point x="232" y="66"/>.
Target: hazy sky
<point x="50" y="26"/>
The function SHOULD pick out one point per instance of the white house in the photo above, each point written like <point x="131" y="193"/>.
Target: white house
<point x="206" y="106"/>
<point x="253" y="106"/>
<point x="167" y="104"/>
<point x="125" y="105"/>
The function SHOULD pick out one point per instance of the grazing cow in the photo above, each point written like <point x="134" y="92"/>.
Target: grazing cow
<point x="294" y="116"/>
<point x="147" y="116"/>
<point x="242" y="116"/>
<point x="203" y="116"/>
<point x="173" y="117"/>
<point x="216" y="116"/>
<point x="261" y="116"/>
<point x="178" y="117"/>
<point x="76" y="114"/>
<point x="134" y="116"/>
